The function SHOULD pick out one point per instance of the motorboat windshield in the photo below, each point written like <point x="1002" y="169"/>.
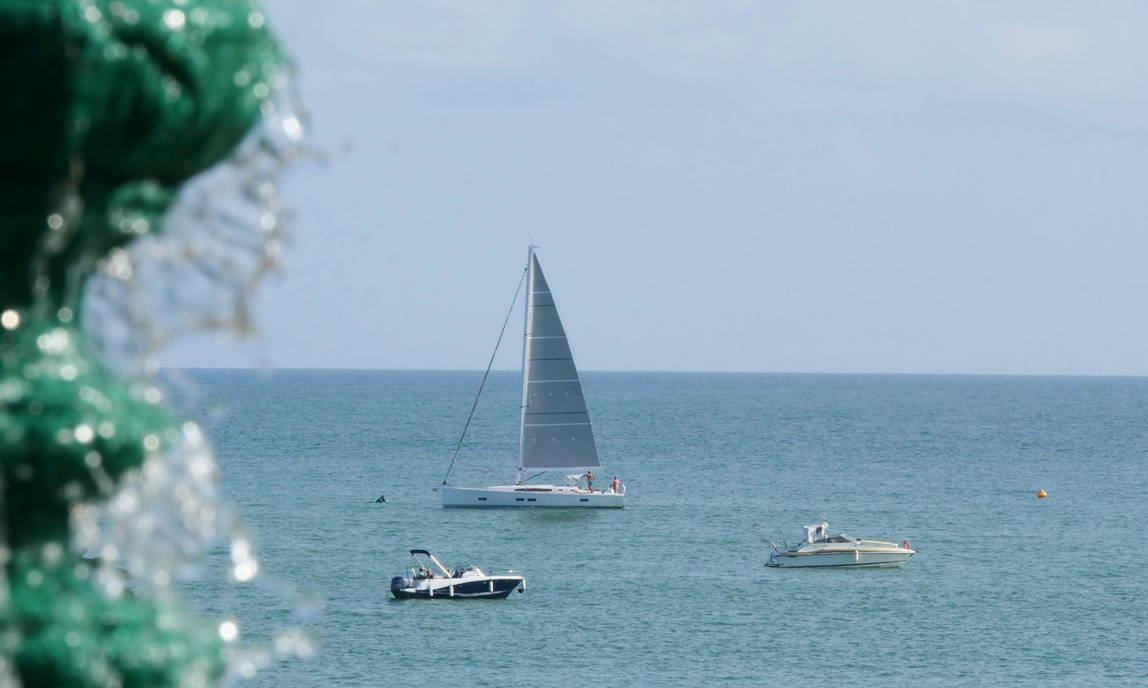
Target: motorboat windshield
<point x="841" y="539"/>
<point x="818" y="533"/>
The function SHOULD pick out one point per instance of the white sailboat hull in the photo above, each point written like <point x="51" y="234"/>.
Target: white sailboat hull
<point x="857" y="553"/>
<point x="854" y="558"/>
<point x="531" y="496"/>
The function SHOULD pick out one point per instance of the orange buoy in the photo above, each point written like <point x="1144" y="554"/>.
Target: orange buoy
<point x="1041" y="494"/>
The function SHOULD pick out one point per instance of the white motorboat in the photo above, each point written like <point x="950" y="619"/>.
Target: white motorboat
<point x="554" y="429"/>
<point x="429" y="579"/>
<point x="822" y="549"/>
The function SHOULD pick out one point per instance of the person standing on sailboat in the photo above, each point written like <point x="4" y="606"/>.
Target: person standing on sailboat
<point x="615" y="485"/>
<point x="589" y="479"/>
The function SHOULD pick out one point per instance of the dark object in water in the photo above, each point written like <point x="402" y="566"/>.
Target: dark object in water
<point x="382" y="498"/>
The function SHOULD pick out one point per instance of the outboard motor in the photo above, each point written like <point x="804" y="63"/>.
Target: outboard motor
<point x="398" y="583"/>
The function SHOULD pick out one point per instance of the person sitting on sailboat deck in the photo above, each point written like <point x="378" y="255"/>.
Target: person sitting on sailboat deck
<point x="615" y="485"/>
<point x="589" y="480"/>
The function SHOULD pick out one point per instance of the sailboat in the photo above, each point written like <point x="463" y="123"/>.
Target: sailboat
<point x="554" y="429"/>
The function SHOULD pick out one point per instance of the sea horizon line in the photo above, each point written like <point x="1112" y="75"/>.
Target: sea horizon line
<point x="274" y="369"/>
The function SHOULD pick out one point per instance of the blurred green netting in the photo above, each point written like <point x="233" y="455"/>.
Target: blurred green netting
<point x="108" y="107"/>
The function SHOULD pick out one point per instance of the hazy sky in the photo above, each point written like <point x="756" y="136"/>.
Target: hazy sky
<point x="949" y="187"/>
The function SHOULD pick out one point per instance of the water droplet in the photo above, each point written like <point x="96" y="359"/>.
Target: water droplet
<point x="126" y="502"/>
<point x="228" y="631"/>
<point x="55" y="220"/>
<point x="92" y="14"/>
<point x="124" y="13"/>
<point x="292" y="127"/>
<point x="119" y="265"/>
<point x="261" y="90"/>
<point x="240" y="550"/>
<point x="10" y="319"/>
<point x="173" y="90"/>
<point x="54" y="342"/>
<point x="68" y="372"/>
<point x="192" y="433"/>
<point x="256" y="20"/>
<point x="174" y="19"/>
<point x="84" y="433"/>
<point x="111" y="583"/>
<point x="52" y="552"/>
<point x="117" y="51"/>
<point x="151" y="442"/>
<point x="245" y="571"/>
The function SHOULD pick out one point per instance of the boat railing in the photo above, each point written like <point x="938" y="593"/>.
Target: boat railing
<point x="778" y="548"/>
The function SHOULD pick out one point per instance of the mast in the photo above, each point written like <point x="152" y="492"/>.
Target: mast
<point x="529" y="303"/>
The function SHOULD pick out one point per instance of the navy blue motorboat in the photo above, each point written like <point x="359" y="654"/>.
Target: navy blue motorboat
<point x="430" y="579"/>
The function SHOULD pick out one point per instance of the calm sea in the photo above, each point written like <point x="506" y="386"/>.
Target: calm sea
<point x="1007" y="590"/>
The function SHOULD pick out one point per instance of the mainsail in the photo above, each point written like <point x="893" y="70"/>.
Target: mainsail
<point x="556" y="432"/>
